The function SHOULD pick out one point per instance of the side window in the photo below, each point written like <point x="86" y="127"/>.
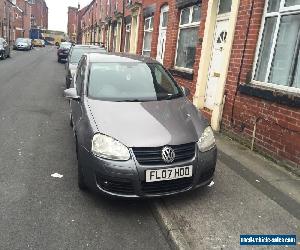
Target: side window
<point x="165" y="83"/>
<point x="80" y="76"/>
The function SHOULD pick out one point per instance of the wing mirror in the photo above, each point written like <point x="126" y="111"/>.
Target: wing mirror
<point x="186" y="91"/>
<point x="71" y="94"/>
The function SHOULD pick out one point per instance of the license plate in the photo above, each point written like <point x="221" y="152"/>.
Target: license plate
<point x="168" y="173"/>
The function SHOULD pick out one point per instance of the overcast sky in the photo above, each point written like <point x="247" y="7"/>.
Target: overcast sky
<point x="58" y="12"/>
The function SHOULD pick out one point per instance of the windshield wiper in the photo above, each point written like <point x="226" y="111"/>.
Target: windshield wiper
<point x="170" y="96"/>
<point x="131" y="100"/>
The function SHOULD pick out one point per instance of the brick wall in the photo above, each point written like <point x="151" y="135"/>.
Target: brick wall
<point x="40" y="13"/>
<point x="278" y="126"/>
<point x="72" y="23"/>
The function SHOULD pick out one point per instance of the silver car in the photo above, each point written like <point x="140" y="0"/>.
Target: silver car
<point x="74" y="56"/>
<point x="22" y="44"/>
<point x="137" y="134"/>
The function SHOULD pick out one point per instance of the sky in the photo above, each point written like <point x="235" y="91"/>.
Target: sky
<point x="58" y="12"/>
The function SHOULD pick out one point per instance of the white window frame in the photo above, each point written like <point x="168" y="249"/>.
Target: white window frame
<point x="148" y="30"/>
<point x="127" y="30"/>
<point x="184" y="26"/>
<point x="283" y="11"/>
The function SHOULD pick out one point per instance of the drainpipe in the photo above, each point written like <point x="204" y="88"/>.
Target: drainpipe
<point x="122" y="29"/>
<point x="254" y="132"/>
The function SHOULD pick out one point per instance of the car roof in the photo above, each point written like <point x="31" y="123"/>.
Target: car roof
<point x="119" y="57"/>
<point x="85" y="46"/>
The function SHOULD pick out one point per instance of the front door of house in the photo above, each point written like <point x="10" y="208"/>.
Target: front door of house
<point x="217" y="61"/>
<point x="162" y="33"/>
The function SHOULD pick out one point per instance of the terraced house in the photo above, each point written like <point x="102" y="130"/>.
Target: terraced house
<point x="239" y="58"/>
<point x="17" y="17"/>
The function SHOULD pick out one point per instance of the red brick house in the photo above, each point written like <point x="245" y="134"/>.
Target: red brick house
<point x="15" y="19"/>
<point x="72" y="23"/>
<point x="263" y="84"/>
<point x="39" y="16"/>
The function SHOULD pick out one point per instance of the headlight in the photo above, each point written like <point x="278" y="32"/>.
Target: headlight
<point x="207" y="140"/>
<point x="109" y="148"/>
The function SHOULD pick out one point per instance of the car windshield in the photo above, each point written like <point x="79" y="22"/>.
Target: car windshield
<point x="78" y="52"/>
<point x="131" y="82"/>
<point x="65" y="45"/>
<point x="22" y="40"/>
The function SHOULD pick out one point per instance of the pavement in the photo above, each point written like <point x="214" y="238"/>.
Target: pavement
<point x="37" y="211"/>
<point x="249" y="195"/>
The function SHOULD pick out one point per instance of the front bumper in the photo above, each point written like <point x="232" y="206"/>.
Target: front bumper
<point x="127" y="179"/>
<point x="22" y="48"/>
<point x="62" y="56"/>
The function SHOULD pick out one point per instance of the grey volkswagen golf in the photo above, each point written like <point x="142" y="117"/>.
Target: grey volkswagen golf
<point x="137" y="134"/>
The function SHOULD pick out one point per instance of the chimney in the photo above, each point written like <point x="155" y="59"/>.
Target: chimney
<point x="78" y="6"/>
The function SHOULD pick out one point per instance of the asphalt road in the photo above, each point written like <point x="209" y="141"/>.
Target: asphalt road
<point x="38" y="211"/>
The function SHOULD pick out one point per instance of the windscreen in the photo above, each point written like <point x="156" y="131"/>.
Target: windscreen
<point x="23" y="40"/>
<point x="78" y="52"/>
<point x="65" y="45"/>
<point x="131" y="82"/>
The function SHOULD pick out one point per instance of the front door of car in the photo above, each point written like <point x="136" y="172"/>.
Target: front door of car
<point x="76" y="105"/>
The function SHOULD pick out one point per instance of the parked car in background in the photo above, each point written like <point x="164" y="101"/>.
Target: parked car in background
<point x="38" y="43"/>
<point x="74" y="56"/>
<point x="63" y="51"/>
<point x="136" y="132"/>
<point x="4" y="49"/>
<point x="22" y="44"/>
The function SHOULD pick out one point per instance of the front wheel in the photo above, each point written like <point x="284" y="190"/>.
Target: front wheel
<point x="2" y="56"/>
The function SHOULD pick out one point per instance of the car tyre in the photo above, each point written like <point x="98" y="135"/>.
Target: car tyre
<point x="58" y="60"/>
<point x="71" y="122"/>
<point x="2" y="56"/>
<point x="68" y="84"/>
<point x="80" y="178"/>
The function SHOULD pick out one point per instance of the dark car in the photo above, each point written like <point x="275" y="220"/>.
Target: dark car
<point x="63" y="51"/>
<point x="74" y="56"/>
<point x="4" y="49"/>
<point x="136" y="132"/>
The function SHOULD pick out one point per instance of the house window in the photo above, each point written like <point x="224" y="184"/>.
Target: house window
<point x="148" y="28"/>
<point x="127" y="38"/>
<point x="278" y="60"/>
<point x="224" y="6"/>
<point x="187" y="37"/>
